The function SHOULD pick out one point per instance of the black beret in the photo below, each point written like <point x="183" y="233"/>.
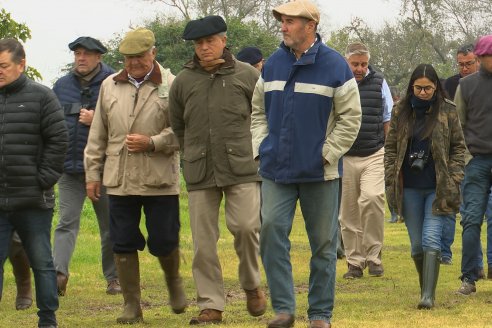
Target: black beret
<point x="203" y="27"/>
<point x="88" y="43"/>
<point x="251" y="55"/>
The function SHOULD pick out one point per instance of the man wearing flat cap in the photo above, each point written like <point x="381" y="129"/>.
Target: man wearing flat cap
<point x="133" y="152"/>
<point x="306" y="115"/>
<point x="210" y="104"/>
<point x="474" y="105"/>
<point x="252" y="56"/>
<point x="77" y="92"/>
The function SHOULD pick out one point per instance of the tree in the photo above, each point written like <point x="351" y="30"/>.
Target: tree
<point x="428" y="31"/>
<point x="173" y="51"/>
<point x="9" y="28"/>
<point x="258" y="11"/>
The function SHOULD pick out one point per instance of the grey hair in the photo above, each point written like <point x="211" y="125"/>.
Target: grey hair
<point x="357" y="48"/>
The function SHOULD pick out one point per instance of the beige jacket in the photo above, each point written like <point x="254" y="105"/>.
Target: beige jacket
<point x="123" y="109"/>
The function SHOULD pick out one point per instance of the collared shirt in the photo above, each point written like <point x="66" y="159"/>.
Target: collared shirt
<point x="136" y="83"/>
<point x="387" y="100"/>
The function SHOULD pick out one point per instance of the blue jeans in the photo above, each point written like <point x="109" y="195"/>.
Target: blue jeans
<point x="424" y="228"/>
<point x="34" y="229"/>
<point x="319" y="206"/>
<point x="475" y="198"/>
<point x="447" y="238"/>
<point x="488" y="216"/>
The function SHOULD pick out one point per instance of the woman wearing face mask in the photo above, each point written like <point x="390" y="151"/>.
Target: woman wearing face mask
<point x="424" y="162"/>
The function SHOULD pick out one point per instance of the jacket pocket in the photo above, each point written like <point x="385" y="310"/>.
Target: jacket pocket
<point x="194" y="164"/>
<point x="159" y="170"/>
<point x="240" y="156"/>
<point x="111" y="175"/>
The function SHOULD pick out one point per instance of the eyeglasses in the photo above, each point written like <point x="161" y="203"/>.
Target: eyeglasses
<point x="467" y="64"/>
<point x="427" y="88"/>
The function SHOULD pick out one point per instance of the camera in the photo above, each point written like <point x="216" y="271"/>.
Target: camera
<point x="86" y="95"/>
<point x="418" y="161"/>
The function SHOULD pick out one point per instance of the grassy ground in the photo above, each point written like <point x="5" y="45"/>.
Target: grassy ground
<point x="389" y="301"/>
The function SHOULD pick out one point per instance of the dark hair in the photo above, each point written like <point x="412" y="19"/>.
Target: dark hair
<point x="14" y="47"/>
<point x="465" y="49"/>
<point x="407" y="114"/>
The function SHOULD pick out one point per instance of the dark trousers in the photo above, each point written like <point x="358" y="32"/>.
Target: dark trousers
<point x="161" y="220"/>
<point x="34" y="229"/>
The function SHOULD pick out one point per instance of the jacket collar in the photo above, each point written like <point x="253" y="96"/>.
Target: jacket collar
<point x="155" y="75"/>
<point x="309" y="57"/>
<point x="227" y="56"/>
<point x="15" y="86"/>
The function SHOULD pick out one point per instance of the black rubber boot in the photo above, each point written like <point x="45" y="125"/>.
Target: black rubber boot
<point x="418" y="259"/>
<point x="430" y="276"/>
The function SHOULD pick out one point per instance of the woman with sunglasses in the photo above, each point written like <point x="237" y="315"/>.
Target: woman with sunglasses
<point x="424" y="161"/>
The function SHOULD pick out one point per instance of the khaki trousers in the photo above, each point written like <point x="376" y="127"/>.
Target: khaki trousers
<point x="362" y="208"/>
<point x="242" y="215"/>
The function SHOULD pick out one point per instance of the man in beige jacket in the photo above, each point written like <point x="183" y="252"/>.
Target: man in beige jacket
<point x="133" y="152"/>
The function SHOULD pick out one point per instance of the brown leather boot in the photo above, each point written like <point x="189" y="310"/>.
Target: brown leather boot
<point x="170" y="266"/>
<point x="207" y="316"/>
<point x="255" y="302"/>
<point x="61" y="283"/>
<point x="22" y="273"/>
<point x="129" y="274"/>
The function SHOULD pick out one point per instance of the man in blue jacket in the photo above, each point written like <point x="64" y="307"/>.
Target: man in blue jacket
<point x="306" y="115"/>
<point x="77" y="92"/>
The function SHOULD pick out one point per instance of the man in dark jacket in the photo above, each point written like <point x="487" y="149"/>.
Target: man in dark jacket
<point x="210" y="106"/>
<point x="77" y="92"/>
<point x="474" y="105"/>
<point x="33" y="141"/>
<point x="362" y="205"/>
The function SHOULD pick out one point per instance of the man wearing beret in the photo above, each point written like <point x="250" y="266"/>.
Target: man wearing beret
<point x="77" y="92"/>
<point x="252" y="56"/>
<point x="210" y="104"/>
<point x="133" y="152"/>
<point x="474" y="105"/>
<point x="306" y="115"/>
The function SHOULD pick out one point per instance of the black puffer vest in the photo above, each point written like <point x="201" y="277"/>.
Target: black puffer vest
<point x="371" y="134"/>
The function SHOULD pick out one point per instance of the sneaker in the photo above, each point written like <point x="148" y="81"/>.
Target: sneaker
<point x="466" y="288"/>
<point x="375" y="270"/>
<point x="446" y="260"/>
<point x="353" y="272"/>
<point x="393" y="219"/>
<point x="113" y="287"/>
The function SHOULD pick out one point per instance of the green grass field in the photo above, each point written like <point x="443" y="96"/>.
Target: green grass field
<point x="388" y="301"/>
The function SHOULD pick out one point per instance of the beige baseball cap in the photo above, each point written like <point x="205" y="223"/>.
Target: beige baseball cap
<point x="297" y="8"/>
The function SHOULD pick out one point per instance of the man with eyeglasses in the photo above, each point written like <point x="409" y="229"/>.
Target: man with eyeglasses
<point x="474" y="105"/>
<point x="467" y="63"/>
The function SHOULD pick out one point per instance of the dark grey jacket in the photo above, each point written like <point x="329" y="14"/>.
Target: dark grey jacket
<point x="33" y="142"/>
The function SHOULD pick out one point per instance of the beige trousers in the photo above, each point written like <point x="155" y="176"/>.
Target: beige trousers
<point x="242" y="215"/>
<point x="362" y="208"/>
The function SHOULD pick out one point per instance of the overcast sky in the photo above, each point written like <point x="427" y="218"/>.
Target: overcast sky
<point x="56" y="23"/>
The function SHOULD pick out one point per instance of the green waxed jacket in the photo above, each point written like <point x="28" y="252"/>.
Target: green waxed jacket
<point x="448" y="150"/>
<point x="211" y="116"/>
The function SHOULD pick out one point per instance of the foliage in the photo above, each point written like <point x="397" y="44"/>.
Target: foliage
<point x="428" y="31"/>
<point x="9" y="28"/>
<point x="258" y="11"/>
<point x="173" y="51"/>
